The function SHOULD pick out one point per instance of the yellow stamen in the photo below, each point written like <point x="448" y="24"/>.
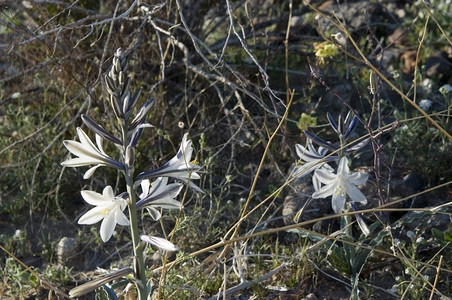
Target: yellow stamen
<point x="104" y="212"/>
<point x="340" y="191"/>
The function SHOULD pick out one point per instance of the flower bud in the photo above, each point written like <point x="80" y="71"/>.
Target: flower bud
<point x="92" y="285"/>
<point x="373" y="82"/>
<point x="130" y="157"/>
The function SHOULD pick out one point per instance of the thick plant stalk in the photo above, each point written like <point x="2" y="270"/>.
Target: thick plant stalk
<point x="139" y="266"/>
<point x="155" y="195"/>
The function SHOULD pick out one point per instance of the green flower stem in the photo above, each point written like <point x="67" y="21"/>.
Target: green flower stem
<point x="139" y="269"/>
<point x="351" y="256"/>
<point x="138" y="266"/>
<point x="343" y="143"/>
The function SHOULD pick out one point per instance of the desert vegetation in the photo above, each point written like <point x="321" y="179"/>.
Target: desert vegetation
<point x="225" y="149"/>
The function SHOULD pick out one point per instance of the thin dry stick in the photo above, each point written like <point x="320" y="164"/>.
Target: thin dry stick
<point x="173" y="233"/>
<point x="438" y="270"/>
<point x="233" y="86"/>
<point x="286" y="46"/>
<point x="264" y="74"/>
<point x="253" y="186"/>
<point x="243" y="81"/>
<point x="305" y="223"/>
<point x="220" y="77"/>
<point x="257" y="130"/>
<point x="79" y="24"/>
<point x="247" y="284"/>
<point x="107" y="42"/>
<point x="411" y="263"/>
<point x="446" y="35"/>
<point x="192" y="37"/>
<point x="381" y="208"/>
<point x="418" y="52"/>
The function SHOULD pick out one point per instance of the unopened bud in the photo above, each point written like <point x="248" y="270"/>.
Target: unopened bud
<point x="92" y="285"/>
<point x="373" y="82"/>
<point x="121" y="77"/>
<point x="130" y="157"/>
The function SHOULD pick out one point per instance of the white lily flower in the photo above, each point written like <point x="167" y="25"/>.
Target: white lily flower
<point x="178" y="167"/>
<point x="159" y="194"/>
<point x="88" y="154"/>
<point x="339" y="185"/>
<point x="159" y="242"/>
<point x="312" y="157"/>
<point x="108" y="208"/>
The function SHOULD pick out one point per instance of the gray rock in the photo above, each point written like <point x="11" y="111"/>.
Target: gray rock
<point x="298" y="196"/>
<point x="66" y="251"/>
<point x="310" y="296"/>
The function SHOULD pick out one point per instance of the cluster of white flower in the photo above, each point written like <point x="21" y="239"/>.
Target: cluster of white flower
<point x="327" y="181"/>
<point x="154" y="196"/>
<point x="109" y="208"/>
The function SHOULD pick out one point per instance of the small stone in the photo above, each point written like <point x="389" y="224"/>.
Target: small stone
<point x="409" y="61"/>
<point x="310" y="296"/>
<point x="66" y="250"/>
<point x="398" y="37"/>
<point x="156" y="259"/>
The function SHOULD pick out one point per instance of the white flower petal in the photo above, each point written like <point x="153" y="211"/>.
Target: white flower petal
<point x="79" y="149"/>
<point x="316" y="183"/>
<point x="304" y="169"/>
<point x="355" y="194"/>
<point x="362" y="225"/>
<point x="121" y="218"/>
<point x="108" y="208"/>
<point x="300" y="150"/>
<point x="94" y="198"/>
<point x="108" y="192"/>
<point x="92" y="216"/>
<point x="339" y="185"/>
<point x="107" y="227"/>
<point x="154" y="213"/>
<point x="145" y="125"/>
<point x="94" y="284"/>
<point x="88" y="174"/>
<point x="158" y="186"/>
<point x="85" y="140"/>
<point x="178" y="167"/>
<point x="358" y="178"/>
<point x="325" y="176"/>
<point x="194" y="186"/>
<point x="80" y="162"/>
<point x="161" y="195"/>
<point x="343" y="166"/>
<point x="324" y="191"/>
<point x="165" y="203"/>
<point x="88" y="153"/>
<point x="338" y="202"/>
<point x="145" y="185"/>
<point x="159" y="242"/>
<point x="100" y="144"/>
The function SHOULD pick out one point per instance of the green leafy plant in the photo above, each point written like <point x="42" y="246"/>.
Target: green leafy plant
<point x="17" y="279"/>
